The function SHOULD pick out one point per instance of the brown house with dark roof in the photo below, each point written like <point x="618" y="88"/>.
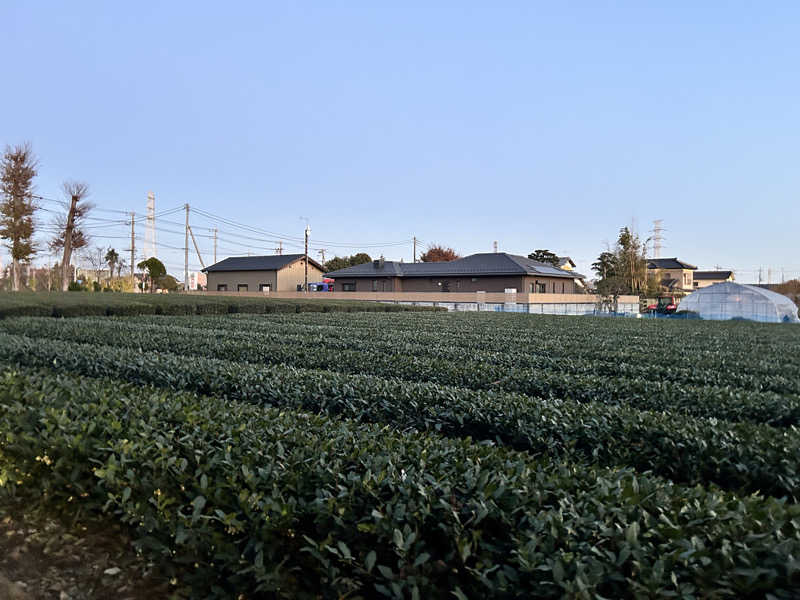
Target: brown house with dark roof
<point x="491" y="272"/>
<point x="674" y="275"/>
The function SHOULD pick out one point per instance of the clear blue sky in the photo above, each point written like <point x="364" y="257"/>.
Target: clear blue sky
<point x="536" y="125"/>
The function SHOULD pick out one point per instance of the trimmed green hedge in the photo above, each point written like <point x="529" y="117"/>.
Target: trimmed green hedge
<point x="743" y="457"/>
<point x="73" y="304"/>
<point x="283" y="504"/>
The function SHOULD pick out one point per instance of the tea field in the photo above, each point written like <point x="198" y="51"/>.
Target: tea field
<point x="417" y="454"/>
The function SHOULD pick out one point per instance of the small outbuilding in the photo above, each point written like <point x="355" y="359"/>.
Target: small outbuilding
<point x="275" y="273"/>
<point x="728" y="300"/>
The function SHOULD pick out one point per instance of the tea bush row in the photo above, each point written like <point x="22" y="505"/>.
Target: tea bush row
<point x="283" y="504"/>
<point x="767" y="348"/>
<point x="639" y="392"/>
<point x="258" y="341"/>
<point x="58" y="304"/>
<point x="743" y="457"/>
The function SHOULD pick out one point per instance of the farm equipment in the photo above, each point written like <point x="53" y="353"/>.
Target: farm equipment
<point x="666" y="305"/>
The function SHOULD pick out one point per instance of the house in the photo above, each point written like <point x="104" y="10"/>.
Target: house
<point x="276" y="273"/>
<point x="490" y="272"/>
<point x="706" y="278"/>
<point x="674" y="275"/>
<point x="566" y="263"/>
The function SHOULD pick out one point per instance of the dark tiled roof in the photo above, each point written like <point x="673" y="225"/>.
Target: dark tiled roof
<point x="489" y="264"/>
<point x="258" y="263"/>
<point x="668" y="263"/>
<point x="711" y="275"/>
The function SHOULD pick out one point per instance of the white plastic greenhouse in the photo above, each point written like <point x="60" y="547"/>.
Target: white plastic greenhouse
<point x="728" y="300"/>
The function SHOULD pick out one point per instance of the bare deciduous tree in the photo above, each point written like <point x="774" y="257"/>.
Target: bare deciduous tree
<point x="17" y="170"/>
<point x="71" y="235"/>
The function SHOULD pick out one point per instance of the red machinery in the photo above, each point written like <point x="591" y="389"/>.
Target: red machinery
<point x="666" y="305"/>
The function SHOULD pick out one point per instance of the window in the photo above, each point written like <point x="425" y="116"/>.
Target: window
<point x="562" y="287"/>
<point x="242" y="287"/>
<point x="222" y="287"/>
<point x="533" y="289"/>
<point x="374" y="285"/>
<point x="264" y="287"/>
<point x="348" y="287"/>
<point x="541" y="287"/>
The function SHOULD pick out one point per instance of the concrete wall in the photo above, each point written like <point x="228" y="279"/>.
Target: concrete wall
<point x="433" y="297"/>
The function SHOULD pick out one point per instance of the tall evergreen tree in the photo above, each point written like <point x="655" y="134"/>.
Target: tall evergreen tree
<point x="17" y="170"/>
<point x="624" y="269"/>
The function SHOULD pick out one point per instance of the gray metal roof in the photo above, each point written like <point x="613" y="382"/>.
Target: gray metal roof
<point x="668" y="263"/>
<point x="258" y="263"/>
<point x="488" y="264"/>
<point x="711" y="275"/>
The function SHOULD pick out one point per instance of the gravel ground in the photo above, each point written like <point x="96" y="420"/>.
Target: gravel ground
<point x="42" y="559"/>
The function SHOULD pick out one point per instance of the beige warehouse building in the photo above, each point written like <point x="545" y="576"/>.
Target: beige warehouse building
<point x="276" y="273"/>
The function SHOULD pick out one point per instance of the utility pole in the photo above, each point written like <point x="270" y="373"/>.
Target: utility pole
<point x="68" y="243"/>
<point x="279" y="249"/>
<point x="495" y="246"/>
<point x="305" y="278"/>
<point x="186" y="253"/>
<point x="415" y="248"/>
<point x="322" y="252"/>
<point x="197" y="248"/>
<point x="215" y="245"/>
<point x="133" y="250"/>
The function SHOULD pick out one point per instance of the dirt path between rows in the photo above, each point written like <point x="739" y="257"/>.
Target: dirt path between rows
<point x="42" y="559"/>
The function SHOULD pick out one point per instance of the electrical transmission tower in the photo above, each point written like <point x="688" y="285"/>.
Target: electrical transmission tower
<point x="657" y="237"/>
<point x="150" y="228"/>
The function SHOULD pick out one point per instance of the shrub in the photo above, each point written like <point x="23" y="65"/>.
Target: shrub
<point x="283" y="504"/>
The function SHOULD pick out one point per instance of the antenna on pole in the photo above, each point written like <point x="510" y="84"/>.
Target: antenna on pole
<point x="657" y="237"/>
<point x="150" y="229"/>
